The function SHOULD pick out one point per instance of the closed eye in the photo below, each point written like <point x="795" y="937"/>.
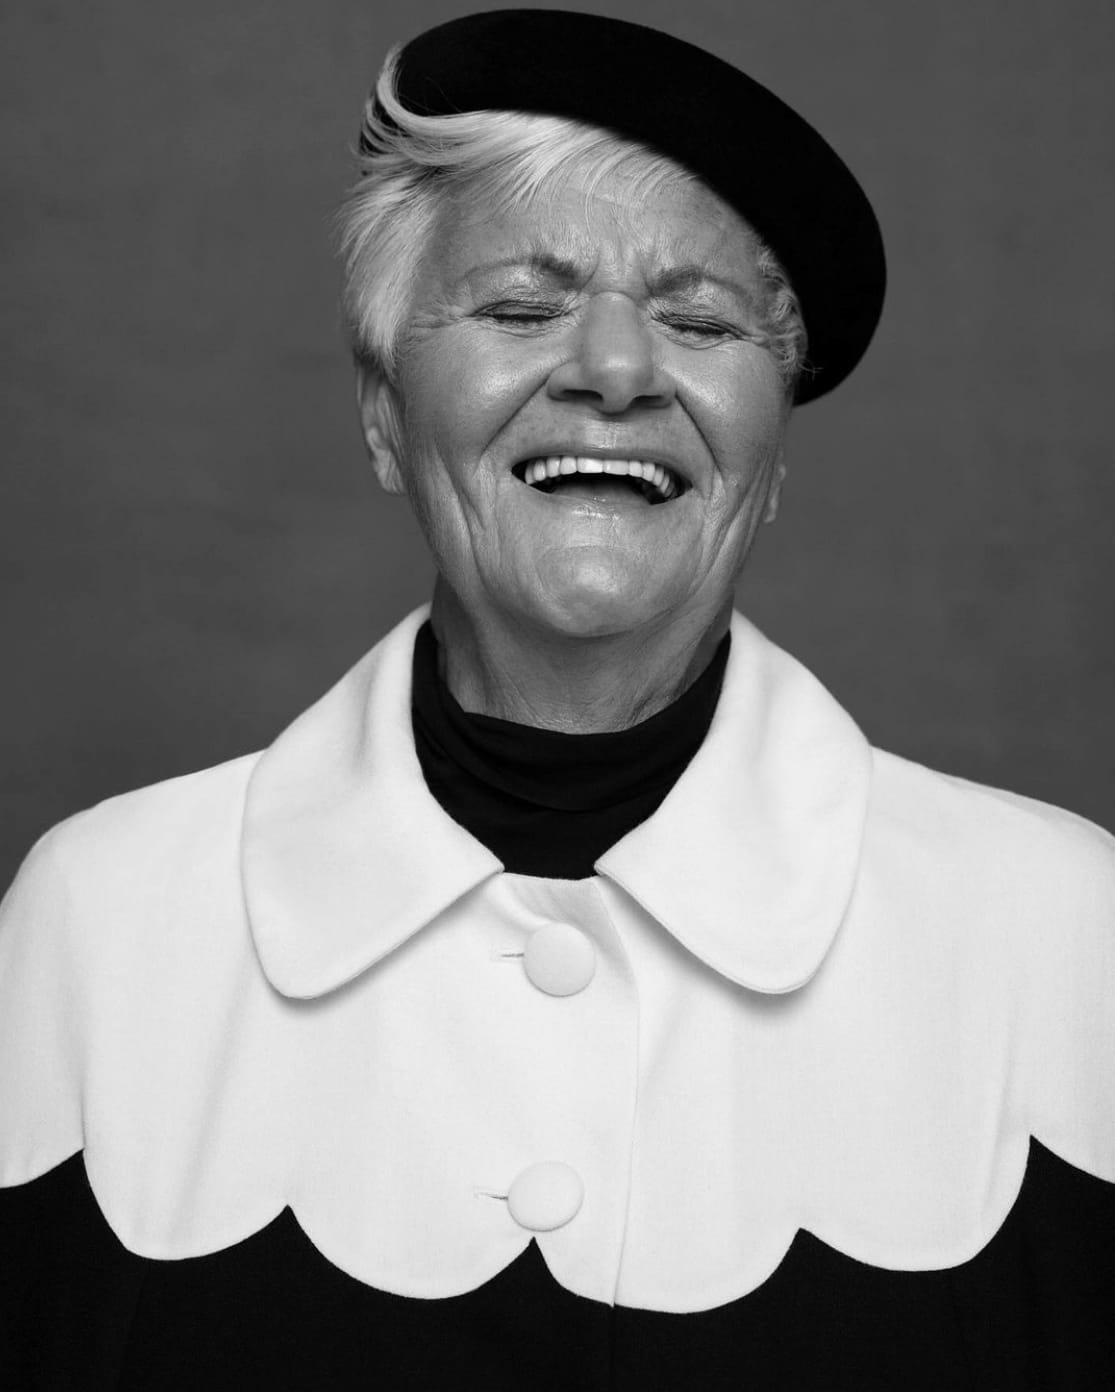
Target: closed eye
<point x="517" y="312"/>
<point x="701" y="328"/>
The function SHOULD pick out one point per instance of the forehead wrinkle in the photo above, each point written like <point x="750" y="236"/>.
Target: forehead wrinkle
<point x="728" y="263"/>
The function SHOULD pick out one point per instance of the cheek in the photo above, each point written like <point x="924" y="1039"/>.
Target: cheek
<point x="742" y="416"/>
<point x="461" y="394"/>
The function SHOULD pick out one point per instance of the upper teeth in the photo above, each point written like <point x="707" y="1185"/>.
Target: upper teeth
<point x="539" y="469"/>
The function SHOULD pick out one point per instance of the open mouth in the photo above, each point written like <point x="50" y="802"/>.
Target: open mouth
<point x="654" y="482"/>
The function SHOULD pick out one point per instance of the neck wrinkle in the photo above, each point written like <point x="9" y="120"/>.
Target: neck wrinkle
<point x="577" y="686"/>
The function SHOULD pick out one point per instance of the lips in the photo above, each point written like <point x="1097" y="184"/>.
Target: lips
<point x="656" y="482"/>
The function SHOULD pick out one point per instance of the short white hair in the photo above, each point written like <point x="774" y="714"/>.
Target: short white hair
<point x="410" y="164"/>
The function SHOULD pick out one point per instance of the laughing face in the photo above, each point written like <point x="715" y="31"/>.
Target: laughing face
<point x="585" y="416"/>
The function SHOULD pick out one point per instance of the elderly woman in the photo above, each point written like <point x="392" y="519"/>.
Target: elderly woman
<point x="571" y="998"/>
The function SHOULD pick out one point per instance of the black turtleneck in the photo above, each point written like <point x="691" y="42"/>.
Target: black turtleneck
<point x="545" y="802"/>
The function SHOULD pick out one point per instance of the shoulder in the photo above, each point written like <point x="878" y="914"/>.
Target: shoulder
<point x="1014" y="845"/>
<point x="145" y="831"/>
<point x="1006" y="907"/>
<point x="98" y="889"/>
<point x="124" y="916"/>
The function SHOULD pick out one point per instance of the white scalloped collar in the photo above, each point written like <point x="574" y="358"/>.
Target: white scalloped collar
<point x="338" y="816"/>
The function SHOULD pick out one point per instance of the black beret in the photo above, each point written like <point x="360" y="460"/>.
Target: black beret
<point x="744" y="142"/>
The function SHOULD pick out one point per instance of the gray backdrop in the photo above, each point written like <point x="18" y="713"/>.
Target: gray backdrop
<point x="193" y="548"/>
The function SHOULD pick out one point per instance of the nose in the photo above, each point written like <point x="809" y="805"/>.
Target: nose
<point x="613" y="365"/>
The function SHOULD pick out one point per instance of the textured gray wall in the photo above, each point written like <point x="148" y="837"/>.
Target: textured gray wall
<point x="192" y="548"/>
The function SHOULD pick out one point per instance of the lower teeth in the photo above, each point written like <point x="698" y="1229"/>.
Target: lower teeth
<point x="644" y="490"/>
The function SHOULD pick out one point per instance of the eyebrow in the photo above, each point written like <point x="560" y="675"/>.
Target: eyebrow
<point x="564" y="270"/>
<point x="544" y="263"/>
<point x="692" y="278"/>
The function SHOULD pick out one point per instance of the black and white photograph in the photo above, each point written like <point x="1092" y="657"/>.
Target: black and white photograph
<point x="557" y="778"/>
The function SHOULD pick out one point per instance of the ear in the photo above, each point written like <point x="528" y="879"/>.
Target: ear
<point x="380" y="417"/>
<point x="776" y="487"/>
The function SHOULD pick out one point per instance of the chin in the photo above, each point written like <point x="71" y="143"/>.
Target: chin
<point x="588" y="611"/>
<point x="595" y="592"/>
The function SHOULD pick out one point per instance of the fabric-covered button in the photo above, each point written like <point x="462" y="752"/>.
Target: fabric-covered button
<point x="545" y="1196"/>
<point x="559" y="959"/>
